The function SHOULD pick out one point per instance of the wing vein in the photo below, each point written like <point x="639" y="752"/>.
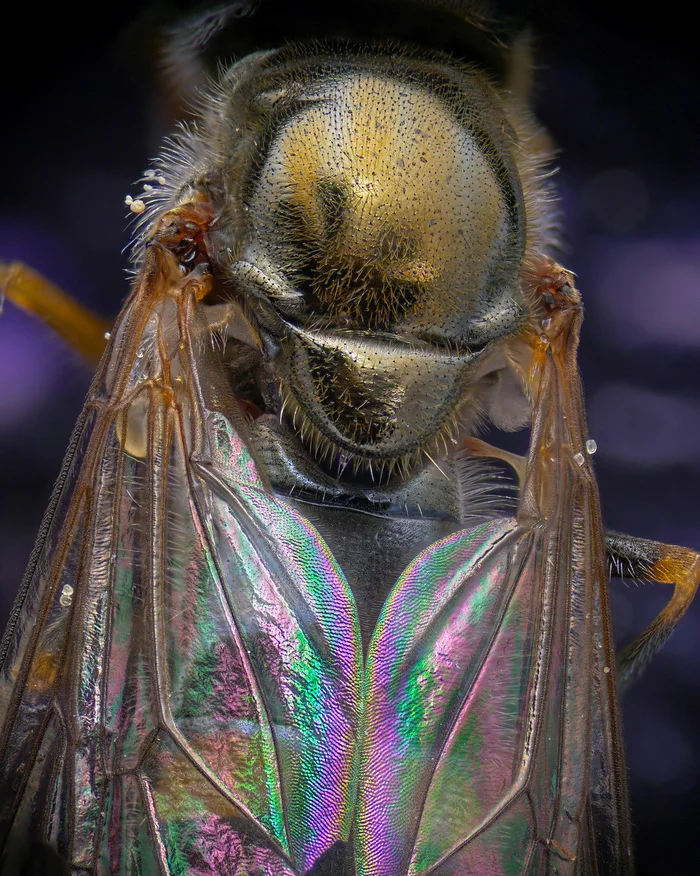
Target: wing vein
<point x="521" y="783"/>
<point x="167" y="718"/>
<point x="513" y="575"/>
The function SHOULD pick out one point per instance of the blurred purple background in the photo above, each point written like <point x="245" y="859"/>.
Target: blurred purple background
<point x="619" y="97"/>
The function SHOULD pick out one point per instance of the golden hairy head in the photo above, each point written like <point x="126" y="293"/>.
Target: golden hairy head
<point x="391" y="209"/>
<point x="386" y="192"/>
<point x="375" y="209"/>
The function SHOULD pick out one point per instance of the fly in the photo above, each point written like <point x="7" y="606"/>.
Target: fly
<point x="284" y="615"/>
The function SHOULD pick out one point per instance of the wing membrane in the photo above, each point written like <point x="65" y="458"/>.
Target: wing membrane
<point x="491" y="737"/>
<point x="435" y="656"/>
<point x="190" y="693"/>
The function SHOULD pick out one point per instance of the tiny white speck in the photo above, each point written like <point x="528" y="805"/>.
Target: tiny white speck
<point x="546" y="322"/>
<point x="149" y="174"/>
<point x="578" y="458"/>
<point x="606" y="669"/>
<point x="147" y="188"/>
<point x="137" y="206"/>
<point x="128" y="200"/>
<point x="139" y="354"/>
<point x="107" y="335"/>
<point x="161" y="180"/>
<point x="591" y="446"/>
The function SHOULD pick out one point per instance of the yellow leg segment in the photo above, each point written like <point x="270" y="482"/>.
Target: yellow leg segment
<point x="80" y="328"/>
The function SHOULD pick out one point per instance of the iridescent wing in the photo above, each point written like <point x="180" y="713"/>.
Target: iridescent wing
<point x="183" y="683"/>
<point x="491" y="733"/>
<point x="181" y="675"/>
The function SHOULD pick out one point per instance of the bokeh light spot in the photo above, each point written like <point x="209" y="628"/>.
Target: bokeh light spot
<point x="618" y="198"/>
<point x="639" y="427"/>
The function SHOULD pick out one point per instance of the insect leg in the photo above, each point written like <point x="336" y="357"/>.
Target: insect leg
<point x="653" y="561"/>
<point x="479" y="448"/>
<point x="638" y="558"/>
<point x="79" y="327"/>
